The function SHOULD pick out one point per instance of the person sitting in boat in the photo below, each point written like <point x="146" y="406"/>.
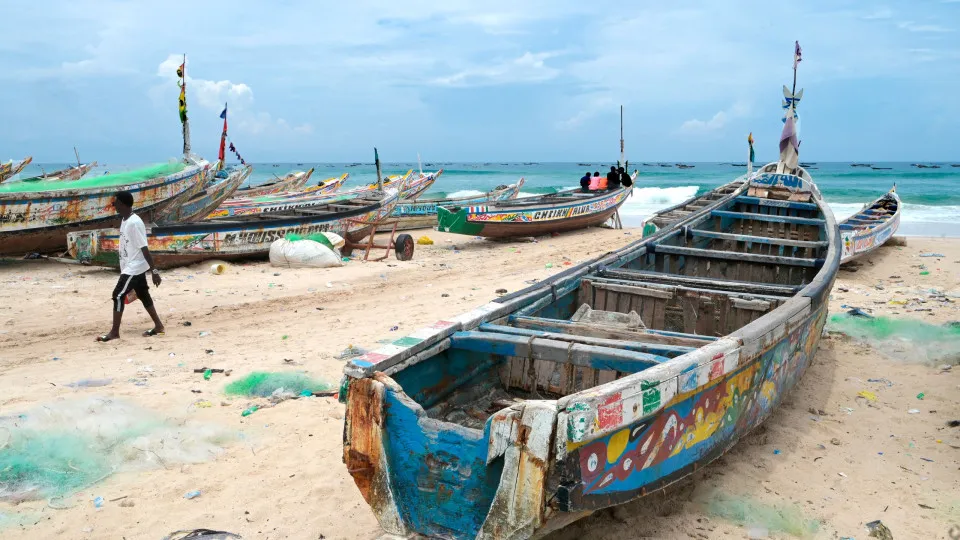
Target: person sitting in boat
<point x="595" y="181"/>
<point x="585" y="182"/>
<point x="602" y="183"/>
<point x="625" y="179"/>
<point x="613" y="178"/>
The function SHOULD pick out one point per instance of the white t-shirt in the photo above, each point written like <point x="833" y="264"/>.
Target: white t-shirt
<point x="133" y="238"/>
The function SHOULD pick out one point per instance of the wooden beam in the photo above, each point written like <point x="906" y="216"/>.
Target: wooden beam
<point x="757" y="239"/>
<point x="679" y="289"/>
<point x="714" y="283"/>
<point x="631" y="289"/>
<point x="638" y="346"/>
<point x="735" y="256"/>
<point x="768" y="218"/>
<point x="579" y="329"/>
<point x="793" y="205"/>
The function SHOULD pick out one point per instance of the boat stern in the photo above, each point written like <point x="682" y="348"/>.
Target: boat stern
<point x="456" y="220"/>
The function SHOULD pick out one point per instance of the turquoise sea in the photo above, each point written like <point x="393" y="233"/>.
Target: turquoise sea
<point x="931" y="196"/>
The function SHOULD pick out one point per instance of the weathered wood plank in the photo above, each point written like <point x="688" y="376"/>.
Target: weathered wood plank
<point x="767" y="218"/>
<point x="756" y="239"/>
<point x="725" y="255"/>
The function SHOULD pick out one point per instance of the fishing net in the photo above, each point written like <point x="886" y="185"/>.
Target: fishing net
<point x="316" y="237"/>
<point x="105" y="180"/>
<point x="264" y="384"/>
<point x="57" y="449"/>
<point x="905" y="339"/>
<point x="756" y="515"/>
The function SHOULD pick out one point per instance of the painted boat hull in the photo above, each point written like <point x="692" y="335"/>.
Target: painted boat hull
<point x="40" y="221"/>
<point x="9" y="170"/>
<point x="861" y="240"/>
<point x="422" y="214"/>
<point x="637" y="410"/>
<point x="291" y="182"/>
<point x="228" y="239"/>
<point x="200" y="205"/>
<point x="517" y="221"/>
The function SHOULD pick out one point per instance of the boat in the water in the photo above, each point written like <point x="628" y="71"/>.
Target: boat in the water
<point x="532" y="216"/>
<point x="293" y="181"/>
<point x="603" y="384"/>
<point x="36" y="216"/>
<point x="422" y="213"/>
<point x="867" y="230"/>
<point x="12" y="168"/>
<point x="237" y="238"/>
<point x="70" y="173"/>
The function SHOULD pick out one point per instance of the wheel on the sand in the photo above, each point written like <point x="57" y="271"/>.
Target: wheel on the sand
<point x="404" y="247"/>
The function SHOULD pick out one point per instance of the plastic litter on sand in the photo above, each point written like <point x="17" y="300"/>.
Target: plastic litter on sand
<point x="759" y="516"/>
<point x="264" y="384"/>
<point x="904" y="339"/>
<point x="57" y="449"/>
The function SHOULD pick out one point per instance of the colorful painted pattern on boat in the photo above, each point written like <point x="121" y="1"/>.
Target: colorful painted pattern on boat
<point x="858" y="239"/>
<point x="595" y="206"/>
<point x="13" y="168"/>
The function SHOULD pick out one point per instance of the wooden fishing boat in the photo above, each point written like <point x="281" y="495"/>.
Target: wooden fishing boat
<point x="199" y="206"/>
<point x="414" y="185"/>
<point x="36" y="216"/>
<point x="868" y="229"/>
<point x="329" y="186"/>
<point x="533" y="216"/>
<point x="236" y="238"/>
<point x="422" y="213"/>
<point x="291" y="182"/>
<point x="13" y="168"/>
<point x="70" y="173"/>
<point x="603" y="384"/>
<point x="678" y="212"/>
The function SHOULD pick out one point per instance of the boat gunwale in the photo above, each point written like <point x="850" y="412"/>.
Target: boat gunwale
<point x="9" y="198"/>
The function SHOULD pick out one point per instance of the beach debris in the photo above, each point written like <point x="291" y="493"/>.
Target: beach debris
<point x="187" y="323"/>
<point x="63" y="447"/>
<point x="953" y="423"/>
<point x="204" y="333"/>
<point x="920" y="395"/>
<point x="879" y="530"/>
<point x="264" y="384"/>
<point x="352" y="351"/>
<point x="394" y="328"/>
<point x="858" y="312"/>
<point x="925" y="273"/>
<point x="932" y="255"/>
<point x="201" y="534"/>
<point x="905" y="339"/>
<point x="758" y="516"/>
<point x="835" y="441"/>
<point x="548" y="265"/>
<point x="501" y="291"/>
<point x="89" y="383"/>
<point x="888" y="382"/>
<point x="192" y="494"/>
<point x="776" y="451"/>
<point x="205" y="370"/>
<point x="98" y="502"/>
<point x="868" y="395"/>
<point x="913" y="411"/>
<point x="207" y="374"/>
<point x="424" y="241"/>
<point x="127" y="503"/>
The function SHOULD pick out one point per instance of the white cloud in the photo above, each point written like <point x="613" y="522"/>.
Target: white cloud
<point x="916" y="27"/>
<point x="715" y="123"/>
<point x="528" y="68"/>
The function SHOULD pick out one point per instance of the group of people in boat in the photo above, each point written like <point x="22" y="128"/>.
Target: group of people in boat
<point x="616" y="178"/>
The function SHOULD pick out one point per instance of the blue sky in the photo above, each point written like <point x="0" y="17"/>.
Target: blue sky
<point x="497" y="80"/>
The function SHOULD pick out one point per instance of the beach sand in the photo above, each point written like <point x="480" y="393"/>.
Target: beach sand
<point x="284" y="477"/>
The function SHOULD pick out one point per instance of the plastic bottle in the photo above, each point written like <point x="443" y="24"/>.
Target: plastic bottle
<point x="207" y="374"/>
<point x="251" y="410"/>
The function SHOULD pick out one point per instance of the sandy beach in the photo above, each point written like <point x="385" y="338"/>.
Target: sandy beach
<point x="830" y="458"/>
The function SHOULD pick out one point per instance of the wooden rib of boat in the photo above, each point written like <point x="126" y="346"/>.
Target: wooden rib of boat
<point x="13" y="168"/>
<point x="291" y="182"/>
<point x="247" y="237"/>
<point x="209" y="198"/>
<point x="422" y="213"/>
<point x="533" y="216"/>
<point x="605" y="383"/>
<point x="70" y="173"/>
<point x="868" y="229"/>
<point x="678" y="212"/>
<point x="36" y="217"/>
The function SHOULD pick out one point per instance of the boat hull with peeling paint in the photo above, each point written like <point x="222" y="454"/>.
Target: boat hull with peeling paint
<point x="602" y="384"/>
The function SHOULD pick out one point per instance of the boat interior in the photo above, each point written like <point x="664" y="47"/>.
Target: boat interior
<point x="877" y="213"/>
<point x="729" y="264"/>
<point x="349" y="206"/>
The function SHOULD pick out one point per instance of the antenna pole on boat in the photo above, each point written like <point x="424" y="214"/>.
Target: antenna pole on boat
<point x="186" y="121"/>
<point x="622" y="159"/>
<point x="376" y="160"/>
<point x="76" y="154"/>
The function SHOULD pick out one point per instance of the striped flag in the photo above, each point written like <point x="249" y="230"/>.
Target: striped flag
<point x="796" y="54"/>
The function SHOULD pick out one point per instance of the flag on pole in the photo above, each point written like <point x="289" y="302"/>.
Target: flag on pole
<point x="796" y="54"/>
<point x="183" y="93"/>
<point x="223" y="138"/>
<point x="224" y="113"/>
<point x="750" y="142"/>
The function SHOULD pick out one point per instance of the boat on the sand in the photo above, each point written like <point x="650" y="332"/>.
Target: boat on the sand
<point x="223" y="184"/>
<point x="533" y="216"/>
<point x="293" y="181"/>
<point x="603" y="384"/>
<point x="867" y="230"/>
<point x="422" y="213"/>
<point x="13" y="168"/>
<point x="36" y="216"/>
<point x="237" y="238"/>
<point x="70" y="173"/>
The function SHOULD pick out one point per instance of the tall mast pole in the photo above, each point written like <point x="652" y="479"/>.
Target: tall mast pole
<point x="622" y="155"/>
<point x="186" y="120"/>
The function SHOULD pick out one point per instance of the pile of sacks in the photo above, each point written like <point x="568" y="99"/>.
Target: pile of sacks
<point x="320" y="250"/>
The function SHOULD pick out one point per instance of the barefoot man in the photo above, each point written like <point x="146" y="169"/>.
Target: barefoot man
<point x="135" y="264"/>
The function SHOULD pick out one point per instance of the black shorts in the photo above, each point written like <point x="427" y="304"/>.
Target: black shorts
<point x="126" y="284"/>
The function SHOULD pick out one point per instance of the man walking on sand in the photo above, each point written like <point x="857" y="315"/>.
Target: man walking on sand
<point x="135" y="263"/>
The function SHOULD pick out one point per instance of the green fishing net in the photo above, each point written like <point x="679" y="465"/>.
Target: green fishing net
<point x="903" y="338"/>
<point x="264" y="384"/>
<point x="316" y="237"/>
<point x="754" y="514"/>
<point x="105" y="180"/>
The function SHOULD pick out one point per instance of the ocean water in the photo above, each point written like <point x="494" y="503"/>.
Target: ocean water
<point x="931" y="196"/>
